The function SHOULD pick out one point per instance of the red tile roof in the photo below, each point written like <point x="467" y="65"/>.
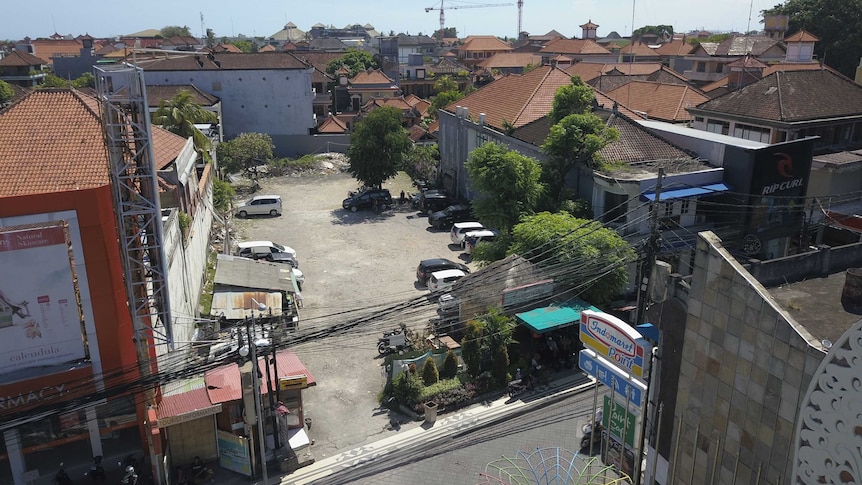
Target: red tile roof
<point x="18" y="58"/>
<point x="515" y="99"/>
<point x="502" y="60"/>
<point x="166" y="146"/>
<point x="51" y="141"/>
<point x="332" y="125"/>
<point x="158" y="93"/>
<point x="484" y="43"/>
<point x="375" y="77"/>
<point x="676" y="47"/>
<point x="48" y="48"/>
<point x="665" y="102"/>
<point x="802" y="36"/>
<point x="573" y="46"/>
<point x="639" y="49"/>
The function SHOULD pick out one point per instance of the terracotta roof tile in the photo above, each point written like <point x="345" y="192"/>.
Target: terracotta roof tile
<point x="573" y="46"/>
<point x="665" y="102"/>
<point x="51" y="141"/>
<point x="18" y="58"/>
<point x="502" y="60"/>
<point x="676" y="47"/>
<point x="516" y="99"/>
<point x="158" y="93"/>
<point x="639" y="49"/>
<point x="375" y="77"/>
<point x="332" y="125"/>
<point x="791" y="96"/>
<point x="484" y="43"/>
<point x="802" y="36"/>
<point x="267" y="48"/>
<point x="166" y="146"/>
<point x="48" y="48"/>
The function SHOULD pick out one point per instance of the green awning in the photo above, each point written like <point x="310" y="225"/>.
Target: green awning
<point x="555" y="316"/>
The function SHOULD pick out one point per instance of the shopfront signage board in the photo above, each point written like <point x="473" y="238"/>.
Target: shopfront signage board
<point x="616" y="341"/>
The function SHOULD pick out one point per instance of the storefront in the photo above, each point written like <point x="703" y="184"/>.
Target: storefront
<point x="187" y="420"/>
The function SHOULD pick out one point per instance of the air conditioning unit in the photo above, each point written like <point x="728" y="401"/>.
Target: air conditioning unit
<point x="700" y="219"/>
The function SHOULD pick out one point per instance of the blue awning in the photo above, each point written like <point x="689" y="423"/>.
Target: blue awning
<point x="556" y="316"/>
<point x="710" y="189"/>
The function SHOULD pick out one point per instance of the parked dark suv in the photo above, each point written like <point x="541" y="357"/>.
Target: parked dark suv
<point x="433" y="201"/>
<point x="428" y="266"/>
<point x="366" y="199"/>
<point x="454" y="213"/>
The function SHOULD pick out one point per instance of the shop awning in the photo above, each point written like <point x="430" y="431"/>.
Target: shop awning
<point x="710" y="189"/>
<point x="223" y="383"/>
<point x="185" y="406"/>
<point x="546" y="319"/>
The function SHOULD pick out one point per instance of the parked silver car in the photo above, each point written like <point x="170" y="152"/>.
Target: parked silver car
<point x="260" y="205"/>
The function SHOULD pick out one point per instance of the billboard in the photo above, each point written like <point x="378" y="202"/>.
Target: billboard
<point x="40" y="316"/>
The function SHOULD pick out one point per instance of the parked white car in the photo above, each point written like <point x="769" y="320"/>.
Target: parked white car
<point x="460" y="230"/>
<point x="268" y="251"/>
<point x="260" y="205"/>
<point x="472" y="239"/>
<point x="442" y="280"/>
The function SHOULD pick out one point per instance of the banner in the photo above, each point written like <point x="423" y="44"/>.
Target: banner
<point x="233" y="453"/>
<point x="40" y="319"/>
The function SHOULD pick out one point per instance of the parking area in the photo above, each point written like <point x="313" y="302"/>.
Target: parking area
<point x="354" y="264"/>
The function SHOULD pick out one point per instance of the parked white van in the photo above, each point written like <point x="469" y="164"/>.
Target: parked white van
<point x="260" y="205"/>
<point x="460" y="230"/>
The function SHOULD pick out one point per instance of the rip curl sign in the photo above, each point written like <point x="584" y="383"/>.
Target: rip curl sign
<point x="615" y="340"/>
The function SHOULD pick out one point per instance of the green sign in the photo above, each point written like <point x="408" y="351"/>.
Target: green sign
<point x="618" y="420"/>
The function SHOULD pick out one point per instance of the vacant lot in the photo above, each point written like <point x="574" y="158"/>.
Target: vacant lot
<point x="354" y="264"/>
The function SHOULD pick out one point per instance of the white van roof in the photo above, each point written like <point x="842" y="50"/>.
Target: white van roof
<point x="467" y="225"/>
<point x="482" y="233"/>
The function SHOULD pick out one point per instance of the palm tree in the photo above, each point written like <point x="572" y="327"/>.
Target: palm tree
<point x="179" y="115"/>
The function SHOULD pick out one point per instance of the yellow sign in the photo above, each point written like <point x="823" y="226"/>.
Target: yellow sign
<point x="292" y="382"/>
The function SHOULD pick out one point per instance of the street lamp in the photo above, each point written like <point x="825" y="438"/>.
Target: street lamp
<point x="244" y="351"/>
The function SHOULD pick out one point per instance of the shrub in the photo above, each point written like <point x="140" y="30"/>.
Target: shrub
<point x="430" y="375"/>
<point x="450" y="366"/>
<point x="407" y="388"/>
<point x="471" y="347"/>
<point x="446" y="385"/>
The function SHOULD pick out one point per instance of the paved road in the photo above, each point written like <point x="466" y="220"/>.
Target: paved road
<point x="463" y="458"/>
<point x="351" y="261"/>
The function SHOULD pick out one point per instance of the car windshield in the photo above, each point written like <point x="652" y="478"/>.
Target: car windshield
<point x="279" y="247"/>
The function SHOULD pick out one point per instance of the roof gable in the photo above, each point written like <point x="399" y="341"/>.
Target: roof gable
<point x="666" y="102"/>
<point x="18" y="58"/>
<point x="802" y="36"/>
<point x="372" y="77"/>
<point x="792" y="96"/>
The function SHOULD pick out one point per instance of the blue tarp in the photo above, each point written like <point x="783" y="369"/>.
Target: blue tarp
<point x="710" y="189"/>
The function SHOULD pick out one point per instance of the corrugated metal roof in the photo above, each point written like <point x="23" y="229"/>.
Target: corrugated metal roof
<point x="236" y="305"/>
<point x="223" y="383"/>
<point x="183" y="403"/>
<point x="233" y="271"/>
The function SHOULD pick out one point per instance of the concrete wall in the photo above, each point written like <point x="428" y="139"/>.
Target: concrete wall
<point x="824" y="260"/>
<point x="745" y="368"/>
<point x="277" y="102"/>
<point x="297" y="145"/>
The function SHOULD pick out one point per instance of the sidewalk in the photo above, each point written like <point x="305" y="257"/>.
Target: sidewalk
<point x="476" y="416"/>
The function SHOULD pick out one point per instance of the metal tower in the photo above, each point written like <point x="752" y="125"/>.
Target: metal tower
<point x="126" y="124"/>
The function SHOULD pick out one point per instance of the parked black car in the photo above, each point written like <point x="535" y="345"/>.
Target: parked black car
<point x="366" y="199"/>
<point x="434" y="200"/>
<point x="454" y="213"/>
<point x="428" y="266"/>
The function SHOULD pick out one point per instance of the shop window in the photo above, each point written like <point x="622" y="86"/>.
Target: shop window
<point x="754" y="133"/>
<point x="715" y="126"/>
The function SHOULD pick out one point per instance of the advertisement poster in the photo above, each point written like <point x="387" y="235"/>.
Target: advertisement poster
<point x="233" y="453"/>
<point x="40" y="320"/>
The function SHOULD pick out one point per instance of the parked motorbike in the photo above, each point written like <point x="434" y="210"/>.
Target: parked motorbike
<point x="130" y="464"/>
<point x="394" y="341"/>
<point x="62" y="478"/>
<point x="591" y="441"/>
<point x="97" y="471"/>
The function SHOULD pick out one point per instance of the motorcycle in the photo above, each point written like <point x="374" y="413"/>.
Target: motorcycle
<point x="130" y="464"/>
<point x="62" y="478"/>
<point x="97" y="471"/>
<point x="394" y="341"/>
<point x="591" y="442"/>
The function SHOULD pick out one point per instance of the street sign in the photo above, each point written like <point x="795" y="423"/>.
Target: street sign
<point x="609" y="375"/>
<point x="615" y="340"/>
<point x="619" y="421"/>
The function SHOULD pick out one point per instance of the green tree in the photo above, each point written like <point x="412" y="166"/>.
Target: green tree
<point x="211" y="38"/>
<point x="422" y="161"/>
<point x="577" y="253"/>
<point x="445" y="83"/>
<point x="430" y="374"/>
<point x="377" y="146"/>
<point x="573" y="140"/>
<point x="87" y="80"/>
<point x="450" y="366"/>
<point x="659" y="30"/>
<point x="498" y="329"/>
<point x="354" y="60"/>
<point x="6" y="92"/>
<point x="835" y="22"/>
<point x="241" y="152"/>
<point x="507" y="182"/>
<point x="244" y="45"/>
<point x="52" y="81"/>
<point x="575" y="98"/>
<point x="179" y="115"/>
<point x="471" y="347"/>
<point x="443" y="99"/>
<point x="223" y="194"/>
<point x="172" y="30"/>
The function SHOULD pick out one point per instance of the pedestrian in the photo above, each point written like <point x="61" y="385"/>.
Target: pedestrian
<point x="402" y="199"/>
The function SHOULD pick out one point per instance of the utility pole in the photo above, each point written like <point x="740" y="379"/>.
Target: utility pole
<point x="645" y="271"/>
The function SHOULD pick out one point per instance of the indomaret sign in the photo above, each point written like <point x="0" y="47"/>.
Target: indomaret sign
<point x="616" y="341"/>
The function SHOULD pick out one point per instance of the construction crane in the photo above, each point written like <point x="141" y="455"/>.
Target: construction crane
<point x="442" y="8"/>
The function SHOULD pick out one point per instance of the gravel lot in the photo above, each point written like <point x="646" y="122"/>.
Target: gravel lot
<point x="351" y="261"/>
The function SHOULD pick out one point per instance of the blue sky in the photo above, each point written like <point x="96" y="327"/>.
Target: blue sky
<point x="265" y="17"/>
